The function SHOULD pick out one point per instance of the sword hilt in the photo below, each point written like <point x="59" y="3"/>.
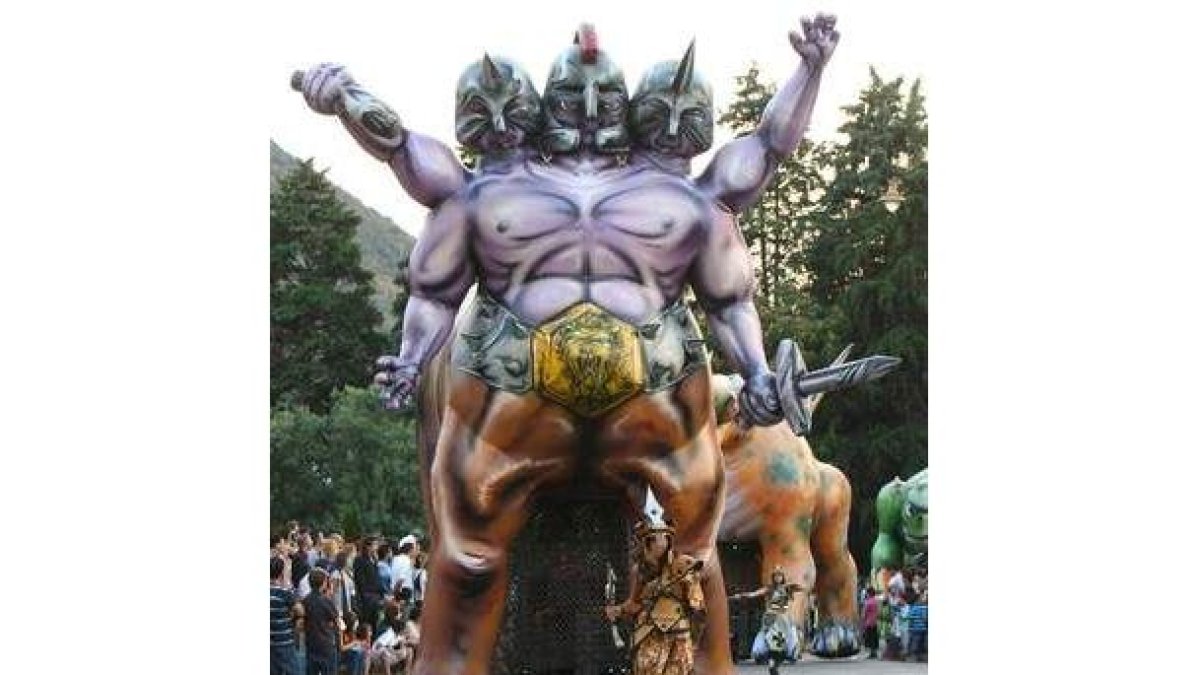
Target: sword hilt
<point x="800" y="389"/>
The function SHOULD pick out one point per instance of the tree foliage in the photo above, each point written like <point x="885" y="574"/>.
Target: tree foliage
<point x="324" y="328"/>
<point x="353" y="470"/>
<point x="835" y="266"/>
<point x="868" y="266"/>
<point x="469" y="156"/>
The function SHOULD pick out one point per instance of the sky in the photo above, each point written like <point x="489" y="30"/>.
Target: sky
<point x="411" y="59"/>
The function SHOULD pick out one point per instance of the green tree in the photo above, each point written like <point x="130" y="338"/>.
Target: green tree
<point x="469" y="157"/>
<point x="324" y="328"/>
<point x="867" y="274"/>
<point x="353" y="470"/>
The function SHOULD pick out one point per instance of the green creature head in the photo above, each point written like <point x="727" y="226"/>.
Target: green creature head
<point x="586" y="100"/>
<point x="672" y="110"/>
<point x="913" y="517"/>
<point x="496" y="106"/>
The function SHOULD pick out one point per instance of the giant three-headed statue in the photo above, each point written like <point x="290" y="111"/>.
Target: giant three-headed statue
<point x="577" y="358"/>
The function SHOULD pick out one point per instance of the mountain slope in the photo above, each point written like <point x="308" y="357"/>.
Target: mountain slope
<point x="382" y="243"/>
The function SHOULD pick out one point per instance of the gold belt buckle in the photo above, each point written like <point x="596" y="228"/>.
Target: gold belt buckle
<point x="587" y="360"/>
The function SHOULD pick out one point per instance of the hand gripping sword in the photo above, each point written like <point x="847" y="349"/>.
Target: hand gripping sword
<point x="800" y="390"/>
<point x="610" y="597"/>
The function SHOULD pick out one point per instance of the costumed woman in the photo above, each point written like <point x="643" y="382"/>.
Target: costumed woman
<point x="666" y="599"/>
<point x="777" y="639"/>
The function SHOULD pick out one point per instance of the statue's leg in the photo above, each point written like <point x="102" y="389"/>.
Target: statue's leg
<point x="668" y="440"/>
<point x="837" y="634"/>
<point x="494" y="451"/>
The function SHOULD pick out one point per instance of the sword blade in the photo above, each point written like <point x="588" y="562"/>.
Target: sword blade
<point x="845" y="375"/>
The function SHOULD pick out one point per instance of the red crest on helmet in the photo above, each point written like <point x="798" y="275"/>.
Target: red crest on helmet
<point x="588" y="41"/>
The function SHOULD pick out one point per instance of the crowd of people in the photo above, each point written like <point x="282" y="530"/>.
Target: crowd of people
<point x="895" y="617"/>
<point x="340" y="606"/>
<point x="354" y="607"/>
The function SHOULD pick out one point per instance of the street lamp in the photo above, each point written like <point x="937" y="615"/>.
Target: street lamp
<point x="892" y="198"/>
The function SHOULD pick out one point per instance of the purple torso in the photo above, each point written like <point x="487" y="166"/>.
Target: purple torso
<point x="545" y="236"/>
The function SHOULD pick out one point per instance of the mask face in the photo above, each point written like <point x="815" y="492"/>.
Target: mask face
<point x="672" y="110"/>
<point x="497" y="107"/>
<point x="586" y="101"/>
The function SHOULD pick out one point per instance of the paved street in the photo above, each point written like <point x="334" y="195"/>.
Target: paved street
<point x="854" y="667"/>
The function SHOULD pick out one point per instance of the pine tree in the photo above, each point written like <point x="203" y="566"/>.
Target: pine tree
<point x="469" y="157"/>
<point x="324" y="329"/>
<point x="867" y="273"/>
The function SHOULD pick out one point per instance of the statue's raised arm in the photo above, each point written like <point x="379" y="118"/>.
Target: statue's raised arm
<point x="428" y="170"/>
<point x="743" y="167"/>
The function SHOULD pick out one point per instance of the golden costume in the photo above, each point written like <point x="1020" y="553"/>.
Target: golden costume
<point x="669" y="609"/>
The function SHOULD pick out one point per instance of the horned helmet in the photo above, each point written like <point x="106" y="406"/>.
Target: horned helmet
<point x="496" y="106"/>
<point x="672" y="110"/>
<point x="586" y="100"/>
<point x="654" y="520"/>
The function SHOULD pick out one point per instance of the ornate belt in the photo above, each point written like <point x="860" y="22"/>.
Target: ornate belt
<point x="585" y="358"/>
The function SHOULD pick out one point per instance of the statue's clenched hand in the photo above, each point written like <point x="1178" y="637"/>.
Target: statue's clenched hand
<point x="398" y="381"/>
<point x="323" y="85"/>
<point x="818" y="40"/>
<point x="758" y="402"/>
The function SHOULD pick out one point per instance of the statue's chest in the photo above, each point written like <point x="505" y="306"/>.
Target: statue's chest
<point x="632" y="212"/>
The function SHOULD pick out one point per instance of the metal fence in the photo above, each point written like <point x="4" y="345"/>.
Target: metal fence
<point x="554" y="621"/>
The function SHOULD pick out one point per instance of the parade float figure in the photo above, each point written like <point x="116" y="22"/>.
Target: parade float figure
<point x="778" y="639"/>
<point x="578" y="357"/>
<point x="902" y="508"/>
<point x="798" y="510"/>
<point x="665" y="600"/>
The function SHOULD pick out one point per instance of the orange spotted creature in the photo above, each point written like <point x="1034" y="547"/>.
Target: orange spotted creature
<point x="798" y="510"/>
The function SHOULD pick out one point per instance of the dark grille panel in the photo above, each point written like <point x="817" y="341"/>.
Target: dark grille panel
<point x="741" y="565"/>
<point x="554" y="620"/>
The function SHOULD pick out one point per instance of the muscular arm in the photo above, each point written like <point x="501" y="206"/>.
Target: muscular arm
<point x="757" y="593"/>
<point x="741" y="169"/>
<point x="440" y="273"/>
<point x="723" y="279"/>
<point x="427" y="170"/>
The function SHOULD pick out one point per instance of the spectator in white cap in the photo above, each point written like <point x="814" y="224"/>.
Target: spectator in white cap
<point x="402" y="562"/>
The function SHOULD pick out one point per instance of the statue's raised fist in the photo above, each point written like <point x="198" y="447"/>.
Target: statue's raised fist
<point x="818" y="40"/>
